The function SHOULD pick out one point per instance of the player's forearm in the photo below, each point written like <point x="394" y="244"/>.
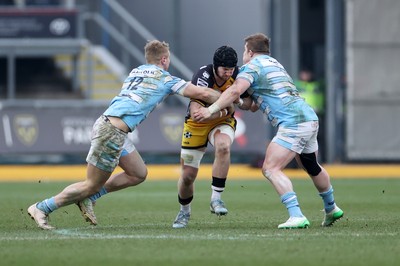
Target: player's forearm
<point x="204" y="94"/>
<point x="194" y="107"/>
<point x="210" y="95"/>
<point x="225" y="100"/>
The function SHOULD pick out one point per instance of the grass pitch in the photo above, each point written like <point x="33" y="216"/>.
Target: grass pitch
<point x="135" y="227"/>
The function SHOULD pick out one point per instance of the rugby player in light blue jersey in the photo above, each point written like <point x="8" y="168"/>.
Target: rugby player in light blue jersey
<point x="272" y="89"/>
<point x="145" y="87"/>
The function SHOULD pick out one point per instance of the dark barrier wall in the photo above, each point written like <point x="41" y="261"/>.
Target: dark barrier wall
<point x="28" y="130"/>
<point x="38" y="23"/>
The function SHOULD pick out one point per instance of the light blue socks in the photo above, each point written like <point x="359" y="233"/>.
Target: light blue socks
<point x="292" y="205"/>
<point x="97" y="195"/>
<point x="329" y="201"/>
<point x="47" y="205"/>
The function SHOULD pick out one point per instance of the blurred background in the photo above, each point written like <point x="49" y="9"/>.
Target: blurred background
<point x="62" y="61"/>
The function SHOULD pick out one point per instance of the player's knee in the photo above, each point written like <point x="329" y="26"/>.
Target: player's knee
<point x="137" y="176"/>
<point x="141" y="177"/>
<point x="188" y="178"/>
<point x="310" y="164"/>
<point x="267" y="173"/>
<point x="222" y="148"/>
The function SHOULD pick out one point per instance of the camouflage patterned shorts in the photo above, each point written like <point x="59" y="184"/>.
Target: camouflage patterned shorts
<point x="106" y="145"/>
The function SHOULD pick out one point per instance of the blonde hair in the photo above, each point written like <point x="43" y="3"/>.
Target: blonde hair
<point x="155" y="50"/>
<point x="258" y="43"/>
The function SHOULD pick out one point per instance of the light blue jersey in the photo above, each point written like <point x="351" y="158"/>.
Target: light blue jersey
<point x="144" y="88"/>
<point x="274" y="92"/>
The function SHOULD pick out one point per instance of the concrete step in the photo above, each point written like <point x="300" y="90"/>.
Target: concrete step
<point x="107" y="73"/>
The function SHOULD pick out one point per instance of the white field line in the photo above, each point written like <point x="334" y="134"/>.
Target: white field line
<point x="84" y="234"/>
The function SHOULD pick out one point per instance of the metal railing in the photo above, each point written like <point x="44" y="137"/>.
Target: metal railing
<point x="125" y="44"/>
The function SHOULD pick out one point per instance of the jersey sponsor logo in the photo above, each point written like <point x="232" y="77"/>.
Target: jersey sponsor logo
<point x="206" y="75"/>
<point x="145" y="72"/>
<point x="187" y="134"/>
<point x="26" y="128"/>
<point x="202" y="82"/>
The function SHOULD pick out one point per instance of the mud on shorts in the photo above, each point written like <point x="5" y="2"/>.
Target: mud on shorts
<point x="300" y="138"/>
<point x="106" y="145"/>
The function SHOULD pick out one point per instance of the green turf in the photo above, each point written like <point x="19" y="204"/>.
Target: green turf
<point x="135" y="227"/>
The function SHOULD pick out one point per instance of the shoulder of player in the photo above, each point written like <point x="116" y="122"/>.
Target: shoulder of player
<point x="204" y="76"/>
<point x="205" y="72"/>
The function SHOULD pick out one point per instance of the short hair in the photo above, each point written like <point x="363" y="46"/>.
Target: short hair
<point x="154" y="50"/>
<point x="258" y="43"/>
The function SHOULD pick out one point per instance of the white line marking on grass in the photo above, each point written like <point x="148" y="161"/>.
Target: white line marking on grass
<point x="77" y="234"/>
<point x="66" y="234"/>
